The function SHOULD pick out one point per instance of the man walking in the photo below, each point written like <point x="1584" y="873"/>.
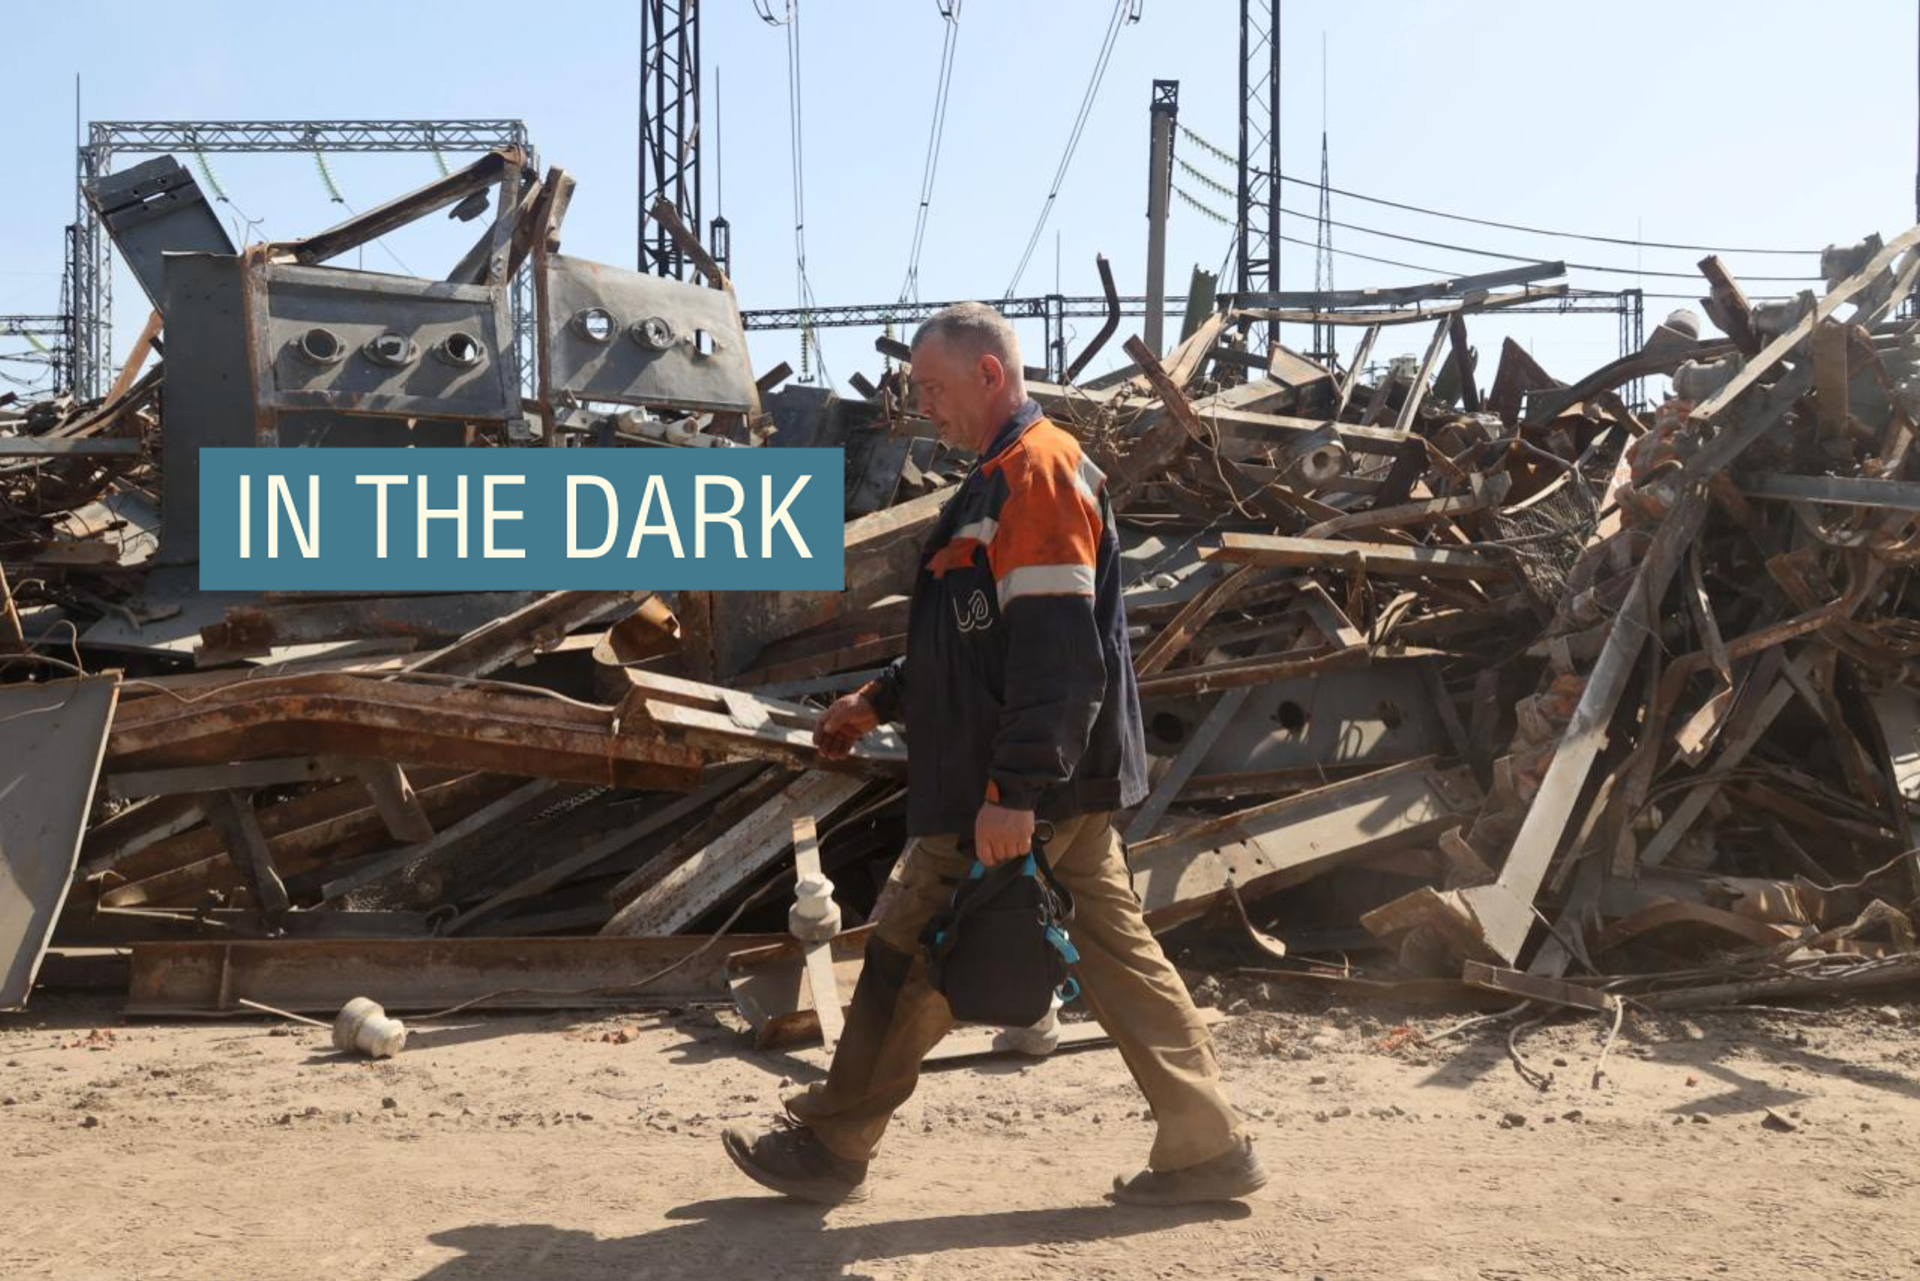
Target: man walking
<point x="1018" y="698"/>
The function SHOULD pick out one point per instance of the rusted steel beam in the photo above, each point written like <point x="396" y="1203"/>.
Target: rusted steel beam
<point x="533" y="627"/>
<point x="722" y="782"/>
<point x="1260" y="670"/>
<point x="1463" y="361"/>
<point x="1728" y="306"/>
<point x="394" y="214"/>
<point x="1517" y="374"/>
<point x="1168" y="643"/>
<point x="689" y="244"/>
<point x="1407" y="315"/>
<point x="688" y="891"/>
<point x="255" y="629"/>
<point x="407" y="723"/>
<point x="735" y="724"/>
<point x="1417" y="390"/>
<point x="303" y="833"/>
<point x="490" y="820"/>
<point x="1377" y="558"/>
<point x="135" y="828"/>
<point x="321" y="975"/>
<point x="1269" y="847"/>
<point x="392" y="794"/>
<point x="231" y="813"/>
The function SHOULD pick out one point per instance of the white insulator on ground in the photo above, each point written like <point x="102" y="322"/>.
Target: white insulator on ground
<point x="814" y="915"/>
<point x="363" y="1027"/>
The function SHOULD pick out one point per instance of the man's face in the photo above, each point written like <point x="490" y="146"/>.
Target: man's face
<point x="956" y="393"/>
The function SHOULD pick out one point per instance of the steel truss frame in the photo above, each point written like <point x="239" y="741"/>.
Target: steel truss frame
<point x="89" y="263"/>
<point x="1053" y="310"/>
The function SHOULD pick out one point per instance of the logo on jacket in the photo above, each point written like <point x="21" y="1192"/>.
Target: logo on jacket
<point x="973" y="613"/>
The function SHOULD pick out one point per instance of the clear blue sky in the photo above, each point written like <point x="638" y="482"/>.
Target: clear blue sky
<point x="1763" y="123"/>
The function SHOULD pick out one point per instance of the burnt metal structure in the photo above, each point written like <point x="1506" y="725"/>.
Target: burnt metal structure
<point x="46" y="795"/>
<point x="90" y="262"/>
<point x="1257" y="209"/>
<point x="1054" y="310"/>
<point x="669" y="129"/>
<point x="628" y="338"/>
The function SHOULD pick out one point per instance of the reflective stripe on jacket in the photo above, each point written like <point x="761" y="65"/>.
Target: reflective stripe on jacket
<point x="1017" y="684"/>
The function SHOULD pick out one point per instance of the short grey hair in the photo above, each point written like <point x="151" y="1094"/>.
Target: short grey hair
<point x="975" y="329"/>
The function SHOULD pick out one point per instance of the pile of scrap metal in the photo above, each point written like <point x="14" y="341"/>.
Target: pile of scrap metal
<point x="191" y="773"/>
<point x="1527" y="687"/>
<point x="1427" y="659"/>
<point x="1588" y="707"/>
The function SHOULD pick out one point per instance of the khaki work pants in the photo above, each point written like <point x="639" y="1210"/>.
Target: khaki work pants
<point x="1126" y="980"/>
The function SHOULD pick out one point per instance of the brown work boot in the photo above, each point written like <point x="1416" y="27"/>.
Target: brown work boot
<point x="791" y="1159"/>
<point x="1233" y="1174"/>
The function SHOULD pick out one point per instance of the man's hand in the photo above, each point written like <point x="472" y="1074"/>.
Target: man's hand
<point x="842" y="725"/>
<point x="1000" y="833"/>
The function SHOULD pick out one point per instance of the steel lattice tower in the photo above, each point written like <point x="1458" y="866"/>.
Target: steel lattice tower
<point x="669" y="128"/>
<point x="1258" y="220"/>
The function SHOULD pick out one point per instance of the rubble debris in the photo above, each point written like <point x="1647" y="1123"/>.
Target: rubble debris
<point x="46" y="796"/>
<point x="1423" y="664"/>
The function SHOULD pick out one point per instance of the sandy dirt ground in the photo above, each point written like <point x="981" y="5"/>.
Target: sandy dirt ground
<point x="571" y="1146"/>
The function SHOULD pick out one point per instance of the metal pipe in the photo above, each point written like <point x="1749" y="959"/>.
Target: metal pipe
<point x="1112" y="323"/>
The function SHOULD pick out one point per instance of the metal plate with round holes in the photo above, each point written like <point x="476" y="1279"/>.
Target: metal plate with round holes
<point x="681" y="345"/>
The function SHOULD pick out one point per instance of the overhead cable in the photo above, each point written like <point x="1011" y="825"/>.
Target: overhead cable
<point x="1124" y="11"/>
<point x="1629" y="242"/>
<point x="936" y="133"/>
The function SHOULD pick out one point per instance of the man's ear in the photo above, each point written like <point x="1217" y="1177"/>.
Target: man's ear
<point x="992" y="372"/>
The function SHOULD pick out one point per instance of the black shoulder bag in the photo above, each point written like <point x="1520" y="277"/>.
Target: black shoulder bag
<point x="1000" y="951"/>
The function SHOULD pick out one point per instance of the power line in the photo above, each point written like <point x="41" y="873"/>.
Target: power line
<point x="803" y="287"/>
<point x="1223" y="220"/>
<point x="1204" y="145"/>
<point x="1491" y="253"/>
<point x="1124" y="12"/>
<point x="1442" y="272"/>
<point x="936" y="133"/>
<point x="1563" y="235"/>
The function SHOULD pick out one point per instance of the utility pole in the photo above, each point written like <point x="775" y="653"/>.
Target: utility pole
<point x="1165" y="113"/>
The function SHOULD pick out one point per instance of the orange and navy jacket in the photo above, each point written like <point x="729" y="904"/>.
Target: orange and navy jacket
<point x="1017" y="684"/>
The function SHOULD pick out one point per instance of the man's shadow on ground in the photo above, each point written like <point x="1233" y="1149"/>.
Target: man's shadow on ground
<point x="772" y="1236"/>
